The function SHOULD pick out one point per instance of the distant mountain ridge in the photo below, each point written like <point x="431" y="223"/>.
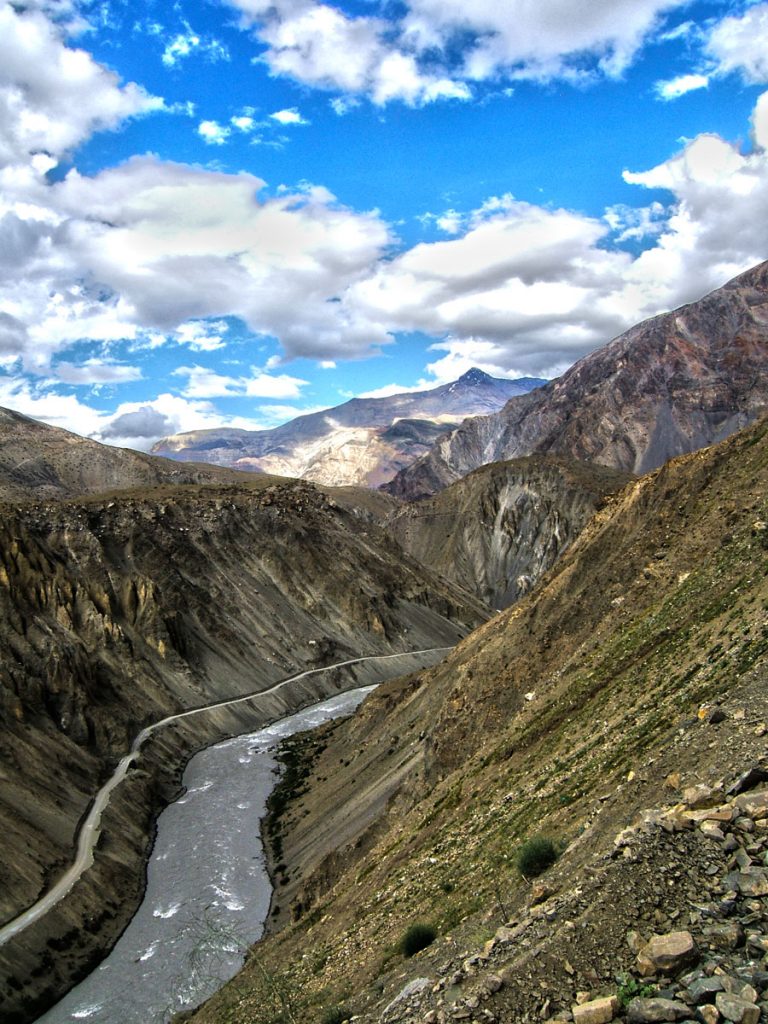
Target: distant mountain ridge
<point x="673" y="384"/>
<point x="364" y="441"/>
<point x="41" y="461"/>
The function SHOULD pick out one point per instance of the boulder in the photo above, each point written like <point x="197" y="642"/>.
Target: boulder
<point x="667" y="953"/>
<point x="737" y="1010"/>
<point x="596" y="1011"/>
<point x="655" y="1011"/>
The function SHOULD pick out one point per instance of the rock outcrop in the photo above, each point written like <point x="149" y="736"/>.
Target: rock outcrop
<point x="499" y="529"/>
<point x="668" y="386"/>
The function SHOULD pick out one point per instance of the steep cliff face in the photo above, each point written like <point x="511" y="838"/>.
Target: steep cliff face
<point x="671" y="385"/>
<point x="499" y="529"/>
<point x="365" y="441"/>
<point x="117" y="611"/>
<point x="568" y="714"/>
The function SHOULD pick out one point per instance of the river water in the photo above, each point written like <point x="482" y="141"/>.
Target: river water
<point x="208" y="891"/>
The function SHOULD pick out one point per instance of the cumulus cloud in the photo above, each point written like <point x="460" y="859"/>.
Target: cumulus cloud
<point x="414" y="59"/>
<point x="304" y="40"/>
<point x="213" y="133"/>
<point x="738" y="44"/>
<point x="289" y="116"/>
<point x="243" y="122"/>
<point x="523" y="276"/>
<point x="205" y="383"/>
<point x="144" y="422"/>
<point x="52" y="96"/>
<point x="96" y="371"/>
<point x="715" y="228"/>
<point x="674" y="88"/>
<point x="152" y="247"/>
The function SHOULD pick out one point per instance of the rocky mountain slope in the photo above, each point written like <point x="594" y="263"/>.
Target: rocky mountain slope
<point x="37" y="460"/>
<point x="668" y="386"/>
<point x="117" y="610"/>
<point x="636" y="670"/>
<point x="364" y="441"/>
<point x="499" y="529"/>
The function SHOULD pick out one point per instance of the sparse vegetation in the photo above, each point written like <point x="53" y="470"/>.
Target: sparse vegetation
<point x="417" y="937"/>
<point x="536" y="855"/>
<point x="630" y="988"/>
<point x="334" y="1015"/>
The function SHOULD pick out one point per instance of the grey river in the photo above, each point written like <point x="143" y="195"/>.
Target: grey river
<point x="208" y="891"/>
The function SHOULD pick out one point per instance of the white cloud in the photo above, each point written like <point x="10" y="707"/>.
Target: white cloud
<point x="151" y="250"/>
<point x="213" y="133"/>
<point x="96" y="371"/>
<point x="188" y="42"/>
<point x="522" y="275"/>
<point x="243" y="122"/>
<point x="738" y="44"/>
<point x="464" y="354"/>
<point x="676" y="87"/>
<point x="305" y="40"/>
<point x="289" y="116"/>
<point x="264" y="385"/>
<point x="180" y="46"/>
<point x="140" y="424"/>
<point x="635" y="222"/>
<point x="205" y="383"/>
<point x="715" y="228"/>
<point x="451" y="222"/>
<point x="52" y="96"/>
<point x="201" y="335"/>
<point x="144" y="422"/>
<point x="413" y="59"/>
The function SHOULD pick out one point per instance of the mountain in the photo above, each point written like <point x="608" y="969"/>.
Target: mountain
<point x="671" y="385"/>
<point x="364" y="441"/>
<point x="603" y="711"/>
<point x="118" y="609"/>
<point x="40" y="461"/>
<point x="498" y="529"/>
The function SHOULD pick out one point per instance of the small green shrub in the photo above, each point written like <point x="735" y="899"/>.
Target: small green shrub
<point x="630" y="988"/>
<point x="416" y="938"/>
<point x="536" y="855"/>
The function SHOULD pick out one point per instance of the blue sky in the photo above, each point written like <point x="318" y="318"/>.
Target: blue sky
<point x="233" y="211"/>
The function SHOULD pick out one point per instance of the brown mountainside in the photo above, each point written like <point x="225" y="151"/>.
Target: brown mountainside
<point x="668" y="386"/>
<point x="497" y="530"/>
<point x="567" y="714"/>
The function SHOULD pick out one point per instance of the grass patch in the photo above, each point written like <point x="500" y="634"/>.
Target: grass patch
<point x="536" y="855"/>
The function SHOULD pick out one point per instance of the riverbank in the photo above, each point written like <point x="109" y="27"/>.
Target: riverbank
<point x="41" y="963"/>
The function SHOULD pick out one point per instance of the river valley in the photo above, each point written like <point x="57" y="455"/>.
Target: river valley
<point x="208" y="891"/>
